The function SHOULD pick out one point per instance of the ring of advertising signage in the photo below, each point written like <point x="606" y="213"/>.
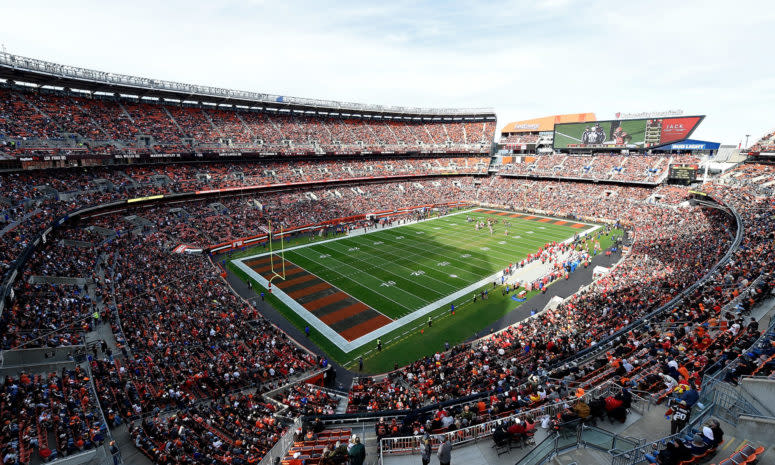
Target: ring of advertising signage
<point x="624" y="134"/>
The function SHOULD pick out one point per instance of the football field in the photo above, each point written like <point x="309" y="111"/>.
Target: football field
<point x="356" y="289"/>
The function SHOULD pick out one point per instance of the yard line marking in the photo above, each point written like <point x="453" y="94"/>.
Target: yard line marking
<point x="387" y="263"/>
<point x="385" y="251"/>
<point x="361" y="283"/>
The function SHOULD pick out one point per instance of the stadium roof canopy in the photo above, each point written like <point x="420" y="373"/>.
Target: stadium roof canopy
<point x="45" y="73"/>
<point x="546" y="123"/>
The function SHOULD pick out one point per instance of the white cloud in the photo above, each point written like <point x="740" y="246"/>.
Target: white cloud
<point x="525" y="59"/>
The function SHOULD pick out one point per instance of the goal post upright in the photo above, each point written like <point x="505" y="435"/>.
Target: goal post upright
<point x="274" y="271"/>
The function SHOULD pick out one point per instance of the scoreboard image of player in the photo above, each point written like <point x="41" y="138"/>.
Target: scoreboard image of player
<point x="624" y="134"/>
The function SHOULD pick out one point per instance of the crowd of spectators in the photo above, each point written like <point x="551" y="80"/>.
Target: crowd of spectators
<point x="309" y="400"/>
<point x="54" y="414"/>
<point x="608" y="167"/>
<point x="666" y="356"/>
<point x="37" y="118"/>
<point x="233" y="429"/>
<point x="188" y="344"/>
<point x="765" y="144"/>
<point x="519" y="139"/>
<point x="30" y="201"/>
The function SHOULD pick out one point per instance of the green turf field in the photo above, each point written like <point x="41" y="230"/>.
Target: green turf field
<point x="414" y="268"/>
<point x="399" y="270"/>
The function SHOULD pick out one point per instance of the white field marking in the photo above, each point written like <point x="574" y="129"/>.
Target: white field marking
<point x="476" y="236"/>
<point x="371" y="257"/>
<point x="398" y="237"/>
<point x="365" y="271"/>
<point x="308" y="316"/>
<point x="369" y="287"/>
<point x="333" y="336"/>
<point x="340" y="238"/>
<point x="442" y="264"/>
<point x="418" y="273"/>
<point x="453" y="276"/>
<point x="498" y="253"/>
<point x="526" y="213"/>
<point x="465" y="255"/>
<point x="426" y="250"/>
<point x="370" y="266"/>
<point x="529" y="232"/>
<point x="378" y="243"/>
<point x="502" y="242"/>
<point x="388" y="284"/>
<point x="325" y="255"/>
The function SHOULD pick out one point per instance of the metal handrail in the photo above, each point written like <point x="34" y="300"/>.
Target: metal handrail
<point x="281" y="447"/>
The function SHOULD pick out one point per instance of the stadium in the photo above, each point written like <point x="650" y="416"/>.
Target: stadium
<point x="204" y="275"/>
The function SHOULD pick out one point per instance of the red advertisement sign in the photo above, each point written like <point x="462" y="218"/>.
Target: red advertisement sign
<point x="675" y="129"/>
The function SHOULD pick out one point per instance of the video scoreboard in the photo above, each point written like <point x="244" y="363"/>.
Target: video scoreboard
<point x="686" y="174"/>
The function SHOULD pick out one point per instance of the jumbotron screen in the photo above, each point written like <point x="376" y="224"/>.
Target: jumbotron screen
<point x="624" y="134"/>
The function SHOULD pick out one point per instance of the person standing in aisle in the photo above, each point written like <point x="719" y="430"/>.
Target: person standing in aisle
<point x="445" y="452"/>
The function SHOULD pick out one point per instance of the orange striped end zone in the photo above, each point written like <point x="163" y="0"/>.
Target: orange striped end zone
<point x="338" y="310"/>
<point x="366" y="327"/>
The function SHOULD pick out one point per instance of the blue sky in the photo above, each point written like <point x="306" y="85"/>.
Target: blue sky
<point x="524" y="59"/>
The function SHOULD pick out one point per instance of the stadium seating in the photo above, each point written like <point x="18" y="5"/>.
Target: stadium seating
<point x="632" y="168"/>
<point x="54" y="405"/>
<point x="194" y="360"/>
<point x="61" y="124"/>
